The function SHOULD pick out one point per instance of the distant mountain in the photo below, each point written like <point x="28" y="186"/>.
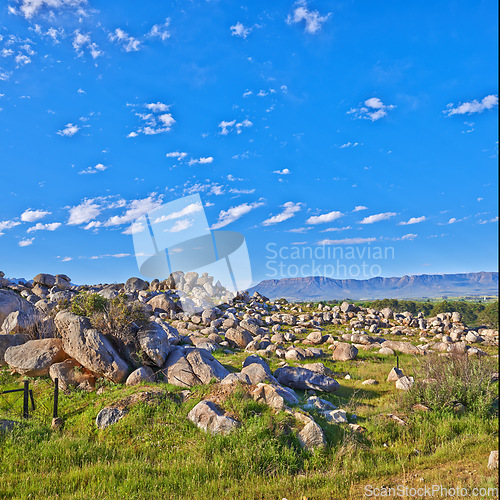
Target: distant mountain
<point x="408" y="287"/>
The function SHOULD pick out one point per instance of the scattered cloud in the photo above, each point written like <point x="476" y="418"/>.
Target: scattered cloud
<point x="409" y="236"/>
<point x="358" y="208"/>
<point x="84" y="212"/>
<point x="83" y="40"/>
<point x="201" y="161"/>
<point x="69" y="130"/>
<point x="33" y="215"/>
<point x="413" y="220"/>
<point x="312" y="18"/>
<point x="7" y="224"/>
<point x="157" y="121"/>
<point x="347" y="241"/>
<point x="94" y="170"/>
<point x="226" y="217"/>
<point x="161" y="30"/>
<point x="239" y="30"/>
<point x="26" y="242"/>
<point x="475" y="106"/>
<point x="176" y="154"/>
<point x="377" y="217"/>
<point x="335" y="229"/>
<point x="227" y="127"/>
<point x="188" y="210"/>
<point x="285" y="171"/>
<point x="349" y="145"/>
<point x="128" y="43"/>
<point x="324" y="218"/>
<point x="180" y="225"/>
<point x="136" y="209"/>
<point x="66" y="259"/>
<point x="372" y="109"/>
<point x="29" y="8"/>
<point x="44" y="227"/>
<point x="290" y="209"/>
<point x="299" y="230"/>
<point x="494" y="219"/>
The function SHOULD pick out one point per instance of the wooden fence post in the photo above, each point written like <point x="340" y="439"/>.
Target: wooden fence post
<point x="26" y="409"/>
<point x="56" y="397"/>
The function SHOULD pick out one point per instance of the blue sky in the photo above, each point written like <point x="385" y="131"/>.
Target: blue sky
<point x="351" y="124"/>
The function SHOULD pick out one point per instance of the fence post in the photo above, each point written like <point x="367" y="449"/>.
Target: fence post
<point x="56" y="396"/>
<point x="397" y="362"/>
<point x="26" y="410"/>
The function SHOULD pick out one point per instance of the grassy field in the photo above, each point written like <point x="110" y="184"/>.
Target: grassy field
<point x="155" y="452"/>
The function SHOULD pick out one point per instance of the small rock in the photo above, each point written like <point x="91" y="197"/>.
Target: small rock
<point x="57" y="423"/>
<point x="336" y="416"/>
<point x="209" y="417"/>
<point x="369" y="381"/>
<point x="109" y="416"/>
<point x="493" y="460"/>
<point x="311" y="436"/>
<point x="394" y="374"/>
<point x="405" y="383"/>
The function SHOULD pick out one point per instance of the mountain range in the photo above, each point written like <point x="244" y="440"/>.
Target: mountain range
<point x="420" y="286"/>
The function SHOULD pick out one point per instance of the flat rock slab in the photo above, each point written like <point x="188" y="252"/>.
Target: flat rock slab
<point x="208" y="416"/>
<point x="301" y="378"/>
<point x="35" y="357"/>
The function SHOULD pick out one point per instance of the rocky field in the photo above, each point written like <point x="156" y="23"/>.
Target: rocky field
<point x="310" y="396"/>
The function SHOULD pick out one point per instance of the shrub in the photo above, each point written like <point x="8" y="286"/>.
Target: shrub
<point x="443" y="381"/>
<point x="86" y="304"/>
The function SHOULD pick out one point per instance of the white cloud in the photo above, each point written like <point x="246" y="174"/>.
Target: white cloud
<point x="66" y="259"/>
<point x="7" y="224"/>
<point x="290" y="209"/>
<point x="358" y="208"/>
<point x="234" y="213"/>
<point x="44" y="227"/>
<point x="82" y="40"/>
<point x="453" y="220"/>
<point x="347" y="241"/>
<point x="409" y="236"/>
<point x="33" y="215"/>
<point x="322" y="219"/>
<point x="335" y="229"/>
<point x="176" y="154"/>
<point x="81" y="91"/>
<point x="84" y="212"/>
<point x="188" y="210"/>
<point x="26" y="242"/>
<point x="135" y="227"/>
<point x="227" y="127"/>
<point x="285" y="171"/>
<point x="299" y="230"/>
<point x="22" y="60"/>
<point x="29" y="8"/>
<point x="413" y="220"/>
<point x="372" y="109"/>
<point x="377" y="217"/>
<point x="155" y="122"/>
<point x="69" y="130"/>
<point x="137" y="208"/>
<point x="160" y="30"/>
<point x="127" y="42"/>
<point x="239" y="30"/>
<point x="475" y="106"/>
<point x="94" y="170"/>
<point x="349" y="145"/>
<point x="202" y="161"/>
<point x="312" y="18"/>
<point x="180" y="225"/>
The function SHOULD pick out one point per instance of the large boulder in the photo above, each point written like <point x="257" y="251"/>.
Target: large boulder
<point x="298" y="377"/>
<point x="274" y="395"/>
<point x="238" y="337"/>
<point x="7" y="341"/>
<point x="256" y="373"/>
<point x="12" y="302"/>
<point x="162" y="303"/>
<point x="188" y="366"/>
<point x="90" y="347"/>
<point x="208" y="416"/>
<point x="344" y="352"/>
<point x="154" y="342"/>
<point x="35" y="357"/>
<point x="47" y="280"/>
<point x="70" y="373"/>
<point x="404" y="347"/>
<point x="19" y="322"/>
<point x="135" y="285"/>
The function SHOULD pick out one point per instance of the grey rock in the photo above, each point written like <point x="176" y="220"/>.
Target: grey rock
<point x="142" y="374"/>
<point x="208" y="416"/>
<point x="274" y="395"/>
<point x="109" y="416"/>
<point x="344" y="352"/>
<point x="71" y="373"/>
<point x="238" y="337"/>
<point x="336" y="416"/>
<point x="493" y="460"/>
<point x="35" y="357"/>
<point x="7" y="341"/>
<point x="12" y="302"/>
<point x="404" y="383"/>
<point x="135" y="285"/>
<point x="311" y="436"/>
<point x="162" y="303"/>
<point x="394" y="374"/>
<point x="302" y="378"/>
<point x="154" y="342"/>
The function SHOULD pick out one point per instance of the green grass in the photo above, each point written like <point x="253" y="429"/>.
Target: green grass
<point x="155" y="452"/>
